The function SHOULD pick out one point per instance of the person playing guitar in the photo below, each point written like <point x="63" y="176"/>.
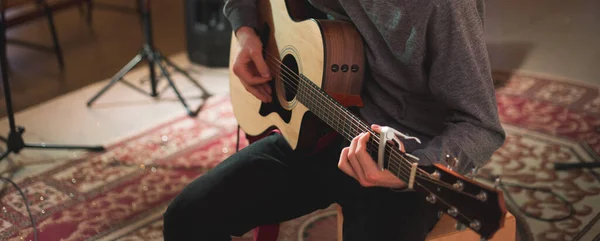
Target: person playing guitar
<point x="428" y="74"/>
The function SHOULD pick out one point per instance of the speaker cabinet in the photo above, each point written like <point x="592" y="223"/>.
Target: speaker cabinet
<point x="208" y="32"/>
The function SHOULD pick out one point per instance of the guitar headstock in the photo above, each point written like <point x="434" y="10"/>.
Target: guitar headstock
<point x="478" y="207"/>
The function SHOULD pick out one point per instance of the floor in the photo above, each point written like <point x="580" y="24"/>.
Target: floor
<point x="118" y="114"/>
<point x="552" y="36"/>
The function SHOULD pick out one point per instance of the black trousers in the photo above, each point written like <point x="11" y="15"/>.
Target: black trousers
<point x="268" y="182"/>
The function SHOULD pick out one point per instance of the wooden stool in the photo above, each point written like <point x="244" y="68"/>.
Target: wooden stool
<point x="445" y="230"/>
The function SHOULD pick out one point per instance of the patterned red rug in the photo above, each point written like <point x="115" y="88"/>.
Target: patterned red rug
<point x="121" y="194"/>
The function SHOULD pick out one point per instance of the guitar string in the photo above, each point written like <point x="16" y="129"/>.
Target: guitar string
<point x="292" y="75"/>
<point x="358" y="123"/>
<point x="375" y="135"/>
<point x="394" y="154"/>
<point x="406" y="170"/>
<point x="353" y="125"/>
<point x="393" y="151"/>
<point x="344" y="111"/>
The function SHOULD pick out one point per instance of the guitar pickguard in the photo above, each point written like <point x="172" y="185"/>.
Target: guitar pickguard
<point x="275" y="106"/>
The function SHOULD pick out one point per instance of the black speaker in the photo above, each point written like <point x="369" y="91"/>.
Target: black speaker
<point x="208" y="33"/>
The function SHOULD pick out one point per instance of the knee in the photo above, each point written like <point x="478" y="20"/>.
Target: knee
<point x="190" y="209"/>
<point x="173" y="221"/>
<point x="181" y="215"/>
<point x="187" y="219"/>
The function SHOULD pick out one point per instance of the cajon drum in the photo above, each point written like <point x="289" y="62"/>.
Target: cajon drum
<point x="446" y="230"/>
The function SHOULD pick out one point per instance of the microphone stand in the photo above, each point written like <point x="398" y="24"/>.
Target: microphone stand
<point x="153" y="58"/>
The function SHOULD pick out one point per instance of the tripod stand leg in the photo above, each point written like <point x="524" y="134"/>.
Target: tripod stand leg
<point x="168" y="77"/>
<point x="136" y="60"/>
<point x="205" y="92"/>
<point x="52" y="146"/>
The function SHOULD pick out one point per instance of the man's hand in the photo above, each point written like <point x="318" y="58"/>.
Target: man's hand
<point x="356" y="162"/>
<point x="249" y="65"/>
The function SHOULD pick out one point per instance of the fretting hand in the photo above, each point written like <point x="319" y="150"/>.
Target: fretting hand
<point x="357" y="163"/>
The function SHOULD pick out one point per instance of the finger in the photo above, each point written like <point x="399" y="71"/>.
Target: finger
<point x="254" y="91"/>
<point x="267" y="90"/>
<point x="260" y="63"/>
<point x="344" y="165"/>
<point x="262" y="88"/>
<point x="245" y="69"/>
<point x="354" y="162"/>
<point x="240" y="67"/>
<point x="366" y="162"/>
<point x="376" y="128"/>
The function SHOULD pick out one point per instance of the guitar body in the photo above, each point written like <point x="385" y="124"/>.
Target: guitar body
<point x="330" y="53"/>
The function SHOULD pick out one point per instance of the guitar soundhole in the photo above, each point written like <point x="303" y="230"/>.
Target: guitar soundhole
<point x="289" y="77"/>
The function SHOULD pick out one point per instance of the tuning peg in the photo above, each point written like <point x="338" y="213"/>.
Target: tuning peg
<point x="475" y="225"/>
<point x="436" y="175"/>
<point x="482" y="196"/>
<point x="453" y="211"/>
<point x="458" y="185"/>
<point x="452" y="162"/>
<point x="431" y="198"/>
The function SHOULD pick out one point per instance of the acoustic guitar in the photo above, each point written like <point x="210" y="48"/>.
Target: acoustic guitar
<point x="318" y="66"/>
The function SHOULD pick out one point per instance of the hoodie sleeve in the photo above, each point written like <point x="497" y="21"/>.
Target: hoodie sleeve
<point x="241" y="13"/>
<point x="460" y="76"/>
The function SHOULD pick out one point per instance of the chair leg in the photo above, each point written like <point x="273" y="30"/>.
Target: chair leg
<point x="57" y="48"/>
